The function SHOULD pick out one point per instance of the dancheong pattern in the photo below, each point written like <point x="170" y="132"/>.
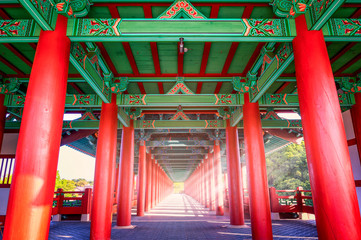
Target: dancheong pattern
<point x="84" y="100"/>
<point x="135" y="99"/>
<point x="16" y="28"/>
<point x="181" y="6"/>
<point x="345" y="27"/>
<point x="290" y="8"/>
<point x="319" y="7"/>
<point x="44" y="8"/>
<point x="225" y="99"/>
<point x="97" y="27"/>
<point x="264" y="27"/>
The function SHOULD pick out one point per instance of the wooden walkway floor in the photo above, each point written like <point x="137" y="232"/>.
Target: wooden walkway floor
<point x="181" y="217"/>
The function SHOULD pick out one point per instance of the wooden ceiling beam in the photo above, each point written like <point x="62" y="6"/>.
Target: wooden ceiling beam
<point x="154" y="49"/>
<point x="11" y="66"/>
<point x="3" y="14"/>
<point x="342" y="52"/>
<point x="107" y="58"/>
<point x="253" y="59"/>
<point x="76" y="87"/>
<point x="348" y="64"/>
<point x="207" y="48"/>
<point x="229" y="59"/>
<point x="17" y="53"/>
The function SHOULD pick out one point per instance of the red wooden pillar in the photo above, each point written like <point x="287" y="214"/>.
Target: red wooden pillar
<point x="148" y="194"/>
<point x="101" y="212"/>
<point x="210" y="181"/>
<point x="141" y="179"/>
<point x="333" y="187"/>
<point x="356" y="121"/>
<point x="3" y="111"/>
<point x="218" y="181"/>
<point x="260" y="209"/>
<point x="156" y="183"/>
<point x="205" y="183"/>
<point x="126" y="183"/>
<point x="153" y="183"/>
<point x="31" y="194"/>
<point x="235" y="190"/>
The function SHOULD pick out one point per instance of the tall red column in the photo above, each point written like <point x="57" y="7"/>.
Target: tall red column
<point x="260" y="209"/>
<point x="235" y="190"/>
<point x="333" y="187"/>
<point x="156" y="183"/>
<point x="218" y="182"/>
<point x="126" y="165"/>
<point x="210" y="181"/>
<point x="141" y="178"/>
<point x="153" y="184"/>
<point x="356" y="121"/>
<point x="148" y="192"/>
<point x="31" y="194"/>
<point x="101" y="212"/>
<point x="205" y="183"/>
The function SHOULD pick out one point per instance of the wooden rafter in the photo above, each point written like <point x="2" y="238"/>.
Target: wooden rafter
<point x="253" y="58"/>
<point x="342" y="52"/>
<point x="17" y="53"/>
<point x="348" y="64"/>
<point x="3" y="14"/>
<point x="11" y="66"/>
<point x="106" y="57"/>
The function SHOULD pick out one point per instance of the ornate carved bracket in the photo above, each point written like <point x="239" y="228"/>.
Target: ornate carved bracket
<point x="10" y="85"/>
<point x="72" y="8"/>
<point x="119" y="85"/>
<point x="290" y="8"/>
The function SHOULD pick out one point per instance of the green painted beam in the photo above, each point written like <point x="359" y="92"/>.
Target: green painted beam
<point x="276" y="63"/>
<point x="123" y="117"/>
<point x="202" y="143"/>
<point x="206" y="100"/>
<point x="183" y="151"/>
<point x="180" y="157"/>
<point x="167" y="100"/>
<point x="19" y="30"/>
<point x="236" y="116"/>
<point x="130" y="30"/>
<point x="87" y="65"/>
<point x="179" y="124"/>
<point x="342" y="29"/>
<point x="321" y="11"/>
<point x="142" y="30"/>
<point x="42" y="12"/>
<point x="171" y="1"/>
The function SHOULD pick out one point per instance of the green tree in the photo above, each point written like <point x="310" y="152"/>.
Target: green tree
<point x="66" y="185"/>
<point x="287" y="168"/>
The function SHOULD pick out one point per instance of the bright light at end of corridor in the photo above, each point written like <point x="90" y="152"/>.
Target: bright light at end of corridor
<point x="290" y="116"/>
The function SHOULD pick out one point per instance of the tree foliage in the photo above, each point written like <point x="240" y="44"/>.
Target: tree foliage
<point x="70" y="185"/>
<point x="287" y="168"/>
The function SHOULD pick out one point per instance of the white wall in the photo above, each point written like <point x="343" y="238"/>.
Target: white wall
<point x="10" y="142"/>
<point x="8" y="147"/>
<point x="355" y="160"/>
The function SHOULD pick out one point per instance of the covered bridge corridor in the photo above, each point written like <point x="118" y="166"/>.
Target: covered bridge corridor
<point x="193" y="92"/>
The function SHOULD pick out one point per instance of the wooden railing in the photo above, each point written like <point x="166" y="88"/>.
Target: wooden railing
<point x="282" y="201"/>
<point x="291" y="200"/>
<point x="78" y="203"/>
